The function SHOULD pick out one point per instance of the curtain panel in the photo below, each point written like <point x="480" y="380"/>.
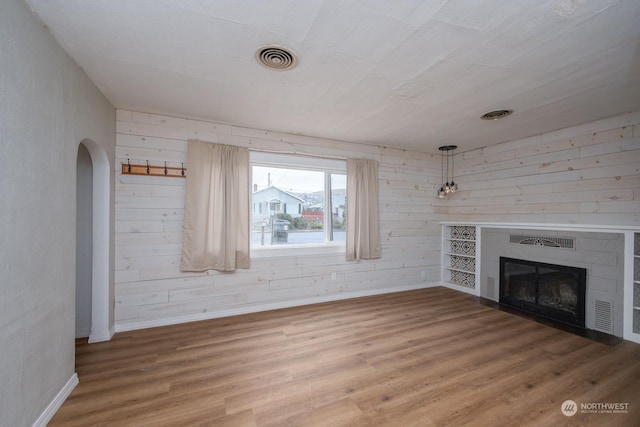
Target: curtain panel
<point x="363" y="229"/>
<point x="216" y="216"/>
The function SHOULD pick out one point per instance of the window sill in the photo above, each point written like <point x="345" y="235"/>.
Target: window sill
<point x="297" y="250"/>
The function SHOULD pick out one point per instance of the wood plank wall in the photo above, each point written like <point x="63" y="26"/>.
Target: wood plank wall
<point x="588" y="174"/>
<point x="149" y="288"/>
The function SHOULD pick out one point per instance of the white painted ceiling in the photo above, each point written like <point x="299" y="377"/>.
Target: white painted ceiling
<point x="406" y="73"/>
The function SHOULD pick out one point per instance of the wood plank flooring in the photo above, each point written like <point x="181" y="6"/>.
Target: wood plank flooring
<point x="432" y="357"/>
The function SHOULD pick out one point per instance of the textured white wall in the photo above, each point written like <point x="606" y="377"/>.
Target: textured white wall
<point x="47" y="106"/>
<point x="150" y="289"/>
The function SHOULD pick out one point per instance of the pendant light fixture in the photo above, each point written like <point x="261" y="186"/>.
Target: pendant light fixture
<point x="448" y="187"/>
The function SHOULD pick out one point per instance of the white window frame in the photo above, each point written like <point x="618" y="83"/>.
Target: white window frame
<point x="301" y="162"/>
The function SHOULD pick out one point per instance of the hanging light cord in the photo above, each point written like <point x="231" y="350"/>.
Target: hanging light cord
<point x="442" y="169"/>
<point x="447" y="183"/>
<point x="451" y="168"/>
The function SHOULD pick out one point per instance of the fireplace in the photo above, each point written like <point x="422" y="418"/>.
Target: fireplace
<point x="548" y="290"/>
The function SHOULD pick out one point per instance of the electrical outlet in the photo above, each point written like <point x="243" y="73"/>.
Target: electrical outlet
<point x="333" y="276"/>
<point x="423" y="274"/>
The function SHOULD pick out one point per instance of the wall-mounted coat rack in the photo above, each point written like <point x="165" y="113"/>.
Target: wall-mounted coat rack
<point x="154" y="170"/>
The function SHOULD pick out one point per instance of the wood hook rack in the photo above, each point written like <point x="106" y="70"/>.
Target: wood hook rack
<point x="154" y="170"/>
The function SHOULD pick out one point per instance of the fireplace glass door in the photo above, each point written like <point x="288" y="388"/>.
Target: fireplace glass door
<point x="548" y="290"/>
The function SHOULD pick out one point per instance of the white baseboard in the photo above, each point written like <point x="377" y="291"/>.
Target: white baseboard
<point x="82" y="333"/>
<point x="144" y="324"/>
<point x="102" y="335"/>
<point x="57" y="402"/>
<point x="460" y="288"/>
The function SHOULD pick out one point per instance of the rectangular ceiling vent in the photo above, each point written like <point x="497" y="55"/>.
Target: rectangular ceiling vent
<point x="604" y="316"/>
<point x="548" y="241"/>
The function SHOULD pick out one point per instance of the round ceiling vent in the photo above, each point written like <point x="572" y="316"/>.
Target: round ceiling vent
<point x="496" y="114"/>
<point x="276" y="57"/>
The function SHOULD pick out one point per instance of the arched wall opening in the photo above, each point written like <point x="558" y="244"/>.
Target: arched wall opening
<point x="84" y="241"/>
<point x="100" y="230"/>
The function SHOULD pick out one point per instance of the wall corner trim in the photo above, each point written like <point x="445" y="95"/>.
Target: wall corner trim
<point x="57" y="402"/>
<point x="102" y="336"/>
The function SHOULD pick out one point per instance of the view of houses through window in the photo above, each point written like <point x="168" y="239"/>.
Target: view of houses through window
<point x="298" y="204"/>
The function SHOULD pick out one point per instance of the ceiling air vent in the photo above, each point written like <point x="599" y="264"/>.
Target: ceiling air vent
<point x="496" y="114"/>
<point x="276" y="57"/>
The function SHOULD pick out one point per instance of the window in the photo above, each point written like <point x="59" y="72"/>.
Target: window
<point x="305" y="199"/>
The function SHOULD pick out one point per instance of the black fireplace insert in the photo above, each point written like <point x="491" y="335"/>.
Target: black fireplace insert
<point x="548" y="290"/>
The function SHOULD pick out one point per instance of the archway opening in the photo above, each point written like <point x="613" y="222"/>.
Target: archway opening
<point x="84" y="241"/>
<point x="101" y="307"/>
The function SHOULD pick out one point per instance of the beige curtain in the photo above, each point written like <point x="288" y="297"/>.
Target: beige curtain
<point x="216" y="214"/>
<point x="363" y="230"/>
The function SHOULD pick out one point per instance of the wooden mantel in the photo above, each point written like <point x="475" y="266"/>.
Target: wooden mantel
<point x="606" y="228"/>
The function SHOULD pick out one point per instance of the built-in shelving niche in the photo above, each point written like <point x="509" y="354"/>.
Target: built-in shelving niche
<point x="459" y="255"/>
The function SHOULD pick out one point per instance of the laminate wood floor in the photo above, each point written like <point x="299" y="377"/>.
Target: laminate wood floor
<point x="431" y="357"/>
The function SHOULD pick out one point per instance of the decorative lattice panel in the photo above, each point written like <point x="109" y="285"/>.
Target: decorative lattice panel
<point x="462" y="247"/>
<point x="463" y="232"/>
<point x="549" y="241"/>
<point x="463" y="263"/>
<point x="463" y="279"/>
